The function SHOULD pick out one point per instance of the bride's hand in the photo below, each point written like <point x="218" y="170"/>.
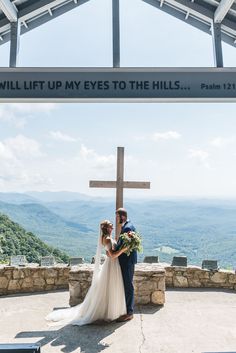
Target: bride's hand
<point x="115" y="254"/>
<point x="110" y="253"/>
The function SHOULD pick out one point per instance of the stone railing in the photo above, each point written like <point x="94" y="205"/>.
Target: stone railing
<point x="149" y="280"/>
<point x="195" y="277"/>
<point x="149" y="283"/>
<point x="32" y="279"/>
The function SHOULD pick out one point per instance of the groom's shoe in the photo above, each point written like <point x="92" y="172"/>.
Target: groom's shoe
<point x="126" y="317"/>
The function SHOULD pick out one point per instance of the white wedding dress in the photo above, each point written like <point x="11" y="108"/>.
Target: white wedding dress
<point x="105" y="299"/>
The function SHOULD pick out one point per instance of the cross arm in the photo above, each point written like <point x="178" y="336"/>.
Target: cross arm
<point x="102" y="184"/>
<point x="136" y="185"/>
<point x="126" y="184"/>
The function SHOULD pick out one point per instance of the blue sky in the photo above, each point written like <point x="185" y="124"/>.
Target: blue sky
<point x="183" y="149"/>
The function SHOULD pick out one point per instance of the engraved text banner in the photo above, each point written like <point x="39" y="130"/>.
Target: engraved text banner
<point x="124" y="84"/>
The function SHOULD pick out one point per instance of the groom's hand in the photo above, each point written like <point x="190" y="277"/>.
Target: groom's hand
<point x="107" y="253"/>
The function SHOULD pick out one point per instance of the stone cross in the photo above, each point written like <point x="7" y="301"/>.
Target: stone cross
<point x="119" y="184"/>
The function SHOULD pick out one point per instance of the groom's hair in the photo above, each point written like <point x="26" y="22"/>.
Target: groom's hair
<point x="122" y="212"/>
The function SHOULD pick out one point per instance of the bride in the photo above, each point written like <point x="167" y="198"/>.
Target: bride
<point x="105" y="299"/>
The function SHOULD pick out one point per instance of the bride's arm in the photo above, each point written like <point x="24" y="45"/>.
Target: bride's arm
<point x="115" y="254"/>
<point x="108" y="242"/>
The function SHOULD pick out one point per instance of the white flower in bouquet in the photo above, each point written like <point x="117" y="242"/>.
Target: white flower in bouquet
<point x="133" y="241"/>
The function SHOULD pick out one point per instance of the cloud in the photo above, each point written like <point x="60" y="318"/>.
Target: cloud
<point x="157" y="136"/>
<point x="23" y="147"/>
<point x="221" y="141"/>
<point x="9" y="117"/>
<point x="169" y="135"/>
<point x="23" y="168"/>
<point x="22" y="165"/>
<point x="200" y="156"/>
<point x="16" y="114"/>
<point x="60" y="136"/>
<point x="96" y="160"/>
<point x="5" y="152"/>
<point x="17" y="177"/>
<point x="86" y="153"/>
<point x="32" y="107"/>
<point x="17" y="157"/>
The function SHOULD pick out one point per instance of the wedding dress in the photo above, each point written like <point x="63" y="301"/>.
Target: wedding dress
<point x="105" y="299"/>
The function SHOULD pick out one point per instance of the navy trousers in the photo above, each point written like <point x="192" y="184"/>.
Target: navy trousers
<point x="128" y="274"/>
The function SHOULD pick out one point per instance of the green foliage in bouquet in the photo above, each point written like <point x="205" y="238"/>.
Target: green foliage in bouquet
<point x="133" y="241"/>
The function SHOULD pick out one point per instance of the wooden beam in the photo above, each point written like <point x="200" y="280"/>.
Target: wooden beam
<point x="102" y="184"/>
<point x="119" y="184"/>
<point x="120" y="177"/>
<point x="126" y="184"/>
<point x="136" y="185"/>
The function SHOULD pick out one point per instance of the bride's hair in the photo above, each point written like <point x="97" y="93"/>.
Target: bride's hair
<point x="104" y="225"/>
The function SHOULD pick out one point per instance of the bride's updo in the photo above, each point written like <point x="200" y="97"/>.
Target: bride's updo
<point x="104" y="225"/>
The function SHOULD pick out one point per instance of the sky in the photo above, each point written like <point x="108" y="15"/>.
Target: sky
<point x="183" y="149"/>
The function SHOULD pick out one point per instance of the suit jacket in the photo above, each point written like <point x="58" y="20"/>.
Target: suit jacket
<point x="123" y="258"/>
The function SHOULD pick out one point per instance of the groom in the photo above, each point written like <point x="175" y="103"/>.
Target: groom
<point x="127" y="264"/>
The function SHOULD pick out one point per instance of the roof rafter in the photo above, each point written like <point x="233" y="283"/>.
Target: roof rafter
<point x="197" y="15"/>
<point x="37" y="13"/>
<point x="38" y="7"/>
<point x="194" y="8"/>
<point x="222" y="10"/>
<point x="9" y="10"/>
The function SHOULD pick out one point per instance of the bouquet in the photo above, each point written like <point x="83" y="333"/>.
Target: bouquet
<point x="133" y="241"/>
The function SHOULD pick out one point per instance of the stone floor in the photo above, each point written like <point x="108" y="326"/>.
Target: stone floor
<point x="196" y="321"/>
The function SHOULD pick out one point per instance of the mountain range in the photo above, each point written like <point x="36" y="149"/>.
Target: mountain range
<point x="199" y="228"/>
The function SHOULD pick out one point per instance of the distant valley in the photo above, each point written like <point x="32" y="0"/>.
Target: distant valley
<point x="199" y="229"/>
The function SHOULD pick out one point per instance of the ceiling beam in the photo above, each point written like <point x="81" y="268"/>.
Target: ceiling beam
<point x="15" y="43"/>
<point x="40" y="10"/>
<point x="217" y="45"/>
<point x="198" y="16"/>
<point x="9" y="9"/>
<point x="196" y="10"/>
<point x="222" y="10"/>
<point x="116" y="32"/>
<point x="185" y="6"/>
<point x="38" y="7"/>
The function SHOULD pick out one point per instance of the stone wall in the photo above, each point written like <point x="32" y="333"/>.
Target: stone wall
<point x="32" y="279"/>
<point x="149" y="280"/>
<point x="195" y="277"/>
<point x="149" y="283"/>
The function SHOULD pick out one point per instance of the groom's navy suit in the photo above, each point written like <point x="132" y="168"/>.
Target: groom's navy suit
<point x="127" y="268"/>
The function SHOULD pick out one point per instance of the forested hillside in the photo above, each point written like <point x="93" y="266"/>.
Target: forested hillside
<point x="14" y="240"/>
